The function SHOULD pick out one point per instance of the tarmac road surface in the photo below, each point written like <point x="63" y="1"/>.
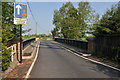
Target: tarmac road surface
<point x="55" y="62"/>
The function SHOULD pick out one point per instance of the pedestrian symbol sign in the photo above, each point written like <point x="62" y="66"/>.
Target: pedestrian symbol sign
<point x="20" y="13"/>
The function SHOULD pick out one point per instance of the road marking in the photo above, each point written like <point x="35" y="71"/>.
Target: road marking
<point x="18" y="9"/>
<point x="30" y="69"/>
<point x="28" y="57"/>
<point x="90" y="59"/>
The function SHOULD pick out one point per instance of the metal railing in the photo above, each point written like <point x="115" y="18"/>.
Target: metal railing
<point x="27" y="42"/>
<point x="77" y="43"/>
<point x="13" y="48"/>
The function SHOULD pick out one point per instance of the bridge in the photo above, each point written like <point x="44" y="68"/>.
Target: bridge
<point x="56" y="61"/>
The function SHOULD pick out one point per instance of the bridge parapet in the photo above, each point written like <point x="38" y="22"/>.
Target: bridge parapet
<point x="77" y="43"/>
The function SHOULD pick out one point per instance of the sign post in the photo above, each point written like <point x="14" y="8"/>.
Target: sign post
<point x="20" y="18"/>
<point x="20" y="43"/>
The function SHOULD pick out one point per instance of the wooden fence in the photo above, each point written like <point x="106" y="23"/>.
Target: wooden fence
<point x="108" y="46"/>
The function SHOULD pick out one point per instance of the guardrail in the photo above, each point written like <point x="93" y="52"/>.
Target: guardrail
<point x="27" y="42"/>
<point x="77" y="43"/>
<point x="13" y="48"/>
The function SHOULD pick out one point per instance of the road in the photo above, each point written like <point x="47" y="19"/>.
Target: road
<point x="55" y="62"/>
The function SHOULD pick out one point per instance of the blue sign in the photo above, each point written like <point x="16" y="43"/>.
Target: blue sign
<point x="20" y="10"/>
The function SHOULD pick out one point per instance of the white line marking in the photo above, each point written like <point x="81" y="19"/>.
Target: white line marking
<point x="30" y="69"/>
<point x="91" y="59"/>
<point x="28" y="57"/>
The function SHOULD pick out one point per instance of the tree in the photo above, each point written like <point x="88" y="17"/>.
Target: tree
<point x="55" y="32"/>
<point x="9" y="32"/>
<point x="86" y="17"/>
<point x="65" y="21"/>
<point x="57" y="23"/>
<point x="95" y="24"/>
<point x="71" y="22"/>
<point x="69" y="26"/>
<point x="28" y="30"/>
<point x="110" y="22"/>
<point x="7" y="24"/>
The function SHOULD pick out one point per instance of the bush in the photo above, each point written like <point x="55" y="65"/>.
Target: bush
<point x="5" y="57"/>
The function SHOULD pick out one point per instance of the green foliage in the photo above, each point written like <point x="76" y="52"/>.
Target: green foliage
<point x="42" y="36"/>
<point x="5" y="57"/>
<point x="27" y="37"/>
<point x="9" y="31"/>
<point x="107" y="31"/>
<point x="77" y="23"/>
<point x="55" y="32"/>
<point x="71" y="22"/>
<point x="24" y="31"/>
<point x="110" y="22"/>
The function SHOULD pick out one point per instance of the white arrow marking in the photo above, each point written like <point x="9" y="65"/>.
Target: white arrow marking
<point x="18" y="9"/>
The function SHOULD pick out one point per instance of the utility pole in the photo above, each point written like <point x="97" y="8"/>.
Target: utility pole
<point x="20" y="44"/>
<point x="36" y="30"/>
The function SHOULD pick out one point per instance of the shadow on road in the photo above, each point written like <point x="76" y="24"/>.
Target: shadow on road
<point x="43" y="45"/>
<point x="106" y="70"/>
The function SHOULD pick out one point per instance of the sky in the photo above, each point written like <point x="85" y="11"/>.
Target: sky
<point x="44" y="11"/>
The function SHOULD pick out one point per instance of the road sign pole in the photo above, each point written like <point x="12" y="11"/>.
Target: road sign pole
<point x="20" y="43"/>
<point x="20" y="17"/>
